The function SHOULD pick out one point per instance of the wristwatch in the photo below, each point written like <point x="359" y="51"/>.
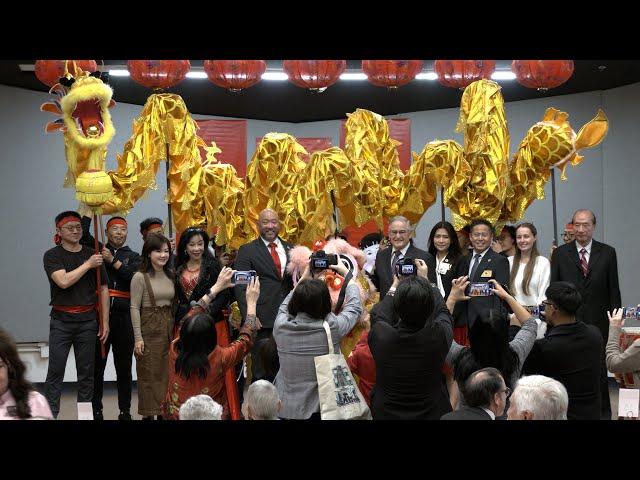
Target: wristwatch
<point x="391" y="291"/>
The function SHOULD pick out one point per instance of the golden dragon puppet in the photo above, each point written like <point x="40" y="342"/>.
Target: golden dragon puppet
<point x="362" y="182"/>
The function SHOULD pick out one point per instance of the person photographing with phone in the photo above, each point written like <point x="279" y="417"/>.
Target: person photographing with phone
<point x="300" y="335"/>
<point x="489" y="344"/>
<point x="411" y="331"/>
<point x="197" y="365"/>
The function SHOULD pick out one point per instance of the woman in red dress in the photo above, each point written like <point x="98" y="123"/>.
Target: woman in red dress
<point x="197" y="364"/>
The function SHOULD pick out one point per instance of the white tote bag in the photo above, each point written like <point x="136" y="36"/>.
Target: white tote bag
<point x="340" y="398"/>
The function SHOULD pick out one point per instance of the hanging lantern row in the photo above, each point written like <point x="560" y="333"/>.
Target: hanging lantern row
<point x="318" y="75"/>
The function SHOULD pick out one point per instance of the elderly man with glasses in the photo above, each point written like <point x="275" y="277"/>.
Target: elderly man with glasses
<point x="401" y="246"/>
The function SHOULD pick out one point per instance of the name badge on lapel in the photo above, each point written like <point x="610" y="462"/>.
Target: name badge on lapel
<point x="487" y="274"/>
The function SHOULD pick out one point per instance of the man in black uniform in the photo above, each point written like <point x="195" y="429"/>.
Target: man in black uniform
<point x="70" y="269"/>
<point x="122" y="263"/>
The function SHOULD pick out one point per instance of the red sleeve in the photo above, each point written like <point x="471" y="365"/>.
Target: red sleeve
<point x="232" y="354"/>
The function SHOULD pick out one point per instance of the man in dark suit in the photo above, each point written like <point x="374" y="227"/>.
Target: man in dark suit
<point x="482" y="265"/>
<point x="268" y="256"/>
<point x="486" y="396"/>
<point x="400" y="233"/>
<point x="570" y="352"/>
<point x="593" y="268"/>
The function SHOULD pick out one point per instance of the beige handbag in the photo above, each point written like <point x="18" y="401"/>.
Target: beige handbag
<point x="340" y="398"/>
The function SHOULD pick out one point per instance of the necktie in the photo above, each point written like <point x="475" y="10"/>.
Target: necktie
<point x="476" y="262"/>
<point x="276" y="258"/>
<point x="394" y="260"/>
<point x="583" y="262"/>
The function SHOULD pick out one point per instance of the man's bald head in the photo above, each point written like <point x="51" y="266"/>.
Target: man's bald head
<point x="268" y="224"/>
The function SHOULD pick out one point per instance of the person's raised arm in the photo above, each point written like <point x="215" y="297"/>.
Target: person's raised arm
<point x="521" y="313"/>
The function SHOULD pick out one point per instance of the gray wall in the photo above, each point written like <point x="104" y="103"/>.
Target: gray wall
<point x="33" y="170"/>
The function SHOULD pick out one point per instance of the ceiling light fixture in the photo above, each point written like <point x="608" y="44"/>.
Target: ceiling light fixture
<point x="427" y="76"/>
<point x="503" y="75"/>
<point x="119" y="73"/>
<point x="275" y="75"/>
<point x="353" y="76"/>
<point x="196" y="74"/>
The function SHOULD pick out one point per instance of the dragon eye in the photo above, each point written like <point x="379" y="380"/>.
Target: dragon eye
<point x="67" y="82"/>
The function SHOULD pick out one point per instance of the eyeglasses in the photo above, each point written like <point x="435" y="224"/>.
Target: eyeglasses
<point x="546" y="304"/>
<point x="507" y="391"/>
<point x="398" y="232"/>
<point x="72" y="228"/>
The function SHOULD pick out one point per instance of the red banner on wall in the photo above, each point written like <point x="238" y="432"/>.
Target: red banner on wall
<point x="310" y="144"/>
<point x="230" y="137"/>
<point x="400" y="130"/>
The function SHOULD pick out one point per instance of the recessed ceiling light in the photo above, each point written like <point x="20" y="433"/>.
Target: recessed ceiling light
<point x="602" y="67"/>
<point x="196" y="75"/>
<point x="503" y="75"/>
<point x="427" y="76"/>
<point x="119" y="73"/>
<point x="353" y="76"/>
<point x="275" y="76"/>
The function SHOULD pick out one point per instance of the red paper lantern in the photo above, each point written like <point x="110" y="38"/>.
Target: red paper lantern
<point x="391" y="73"/>
<point x="158" y="74"/>
<point x="542" y="74"/>
<point x="50" y="71"/>
<point x="461" y="73"/>
<point x="316" y="75"/>
<point x="235" y="75"/>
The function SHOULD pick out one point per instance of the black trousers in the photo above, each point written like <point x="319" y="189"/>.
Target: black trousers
<point x="62" y="335"/>
<point x="121" y="338"/>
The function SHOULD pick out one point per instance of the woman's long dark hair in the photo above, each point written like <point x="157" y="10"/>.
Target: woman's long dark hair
<point x="185" y="238"/>
<point x="528" y="269"/>
<point x="18" y="384"/>
<point x="198" y="339"/>
<point x="454" y="248"/>
<point x="489" y="340"/>
<point x="155" y="241"/>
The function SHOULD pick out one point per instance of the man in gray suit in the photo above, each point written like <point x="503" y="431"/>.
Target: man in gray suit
<point x="400" y="233"/>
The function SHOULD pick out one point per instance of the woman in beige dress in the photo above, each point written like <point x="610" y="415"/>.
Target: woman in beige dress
<point x="152" y="293"/>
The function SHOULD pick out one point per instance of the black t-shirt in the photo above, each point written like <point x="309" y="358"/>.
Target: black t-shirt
<point x="83" y="292"/>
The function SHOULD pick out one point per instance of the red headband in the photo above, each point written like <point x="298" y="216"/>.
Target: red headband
<point x="152" y="225"/>
<point x="116" y="221"/>
<point x="68" y="219"/>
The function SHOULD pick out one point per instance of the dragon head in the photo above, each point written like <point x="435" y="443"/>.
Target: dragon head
<point x="85" y="110"/>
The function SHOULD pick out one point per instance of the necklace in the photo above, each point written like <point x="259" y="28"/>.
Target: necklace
<point x="197" y="269"/>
